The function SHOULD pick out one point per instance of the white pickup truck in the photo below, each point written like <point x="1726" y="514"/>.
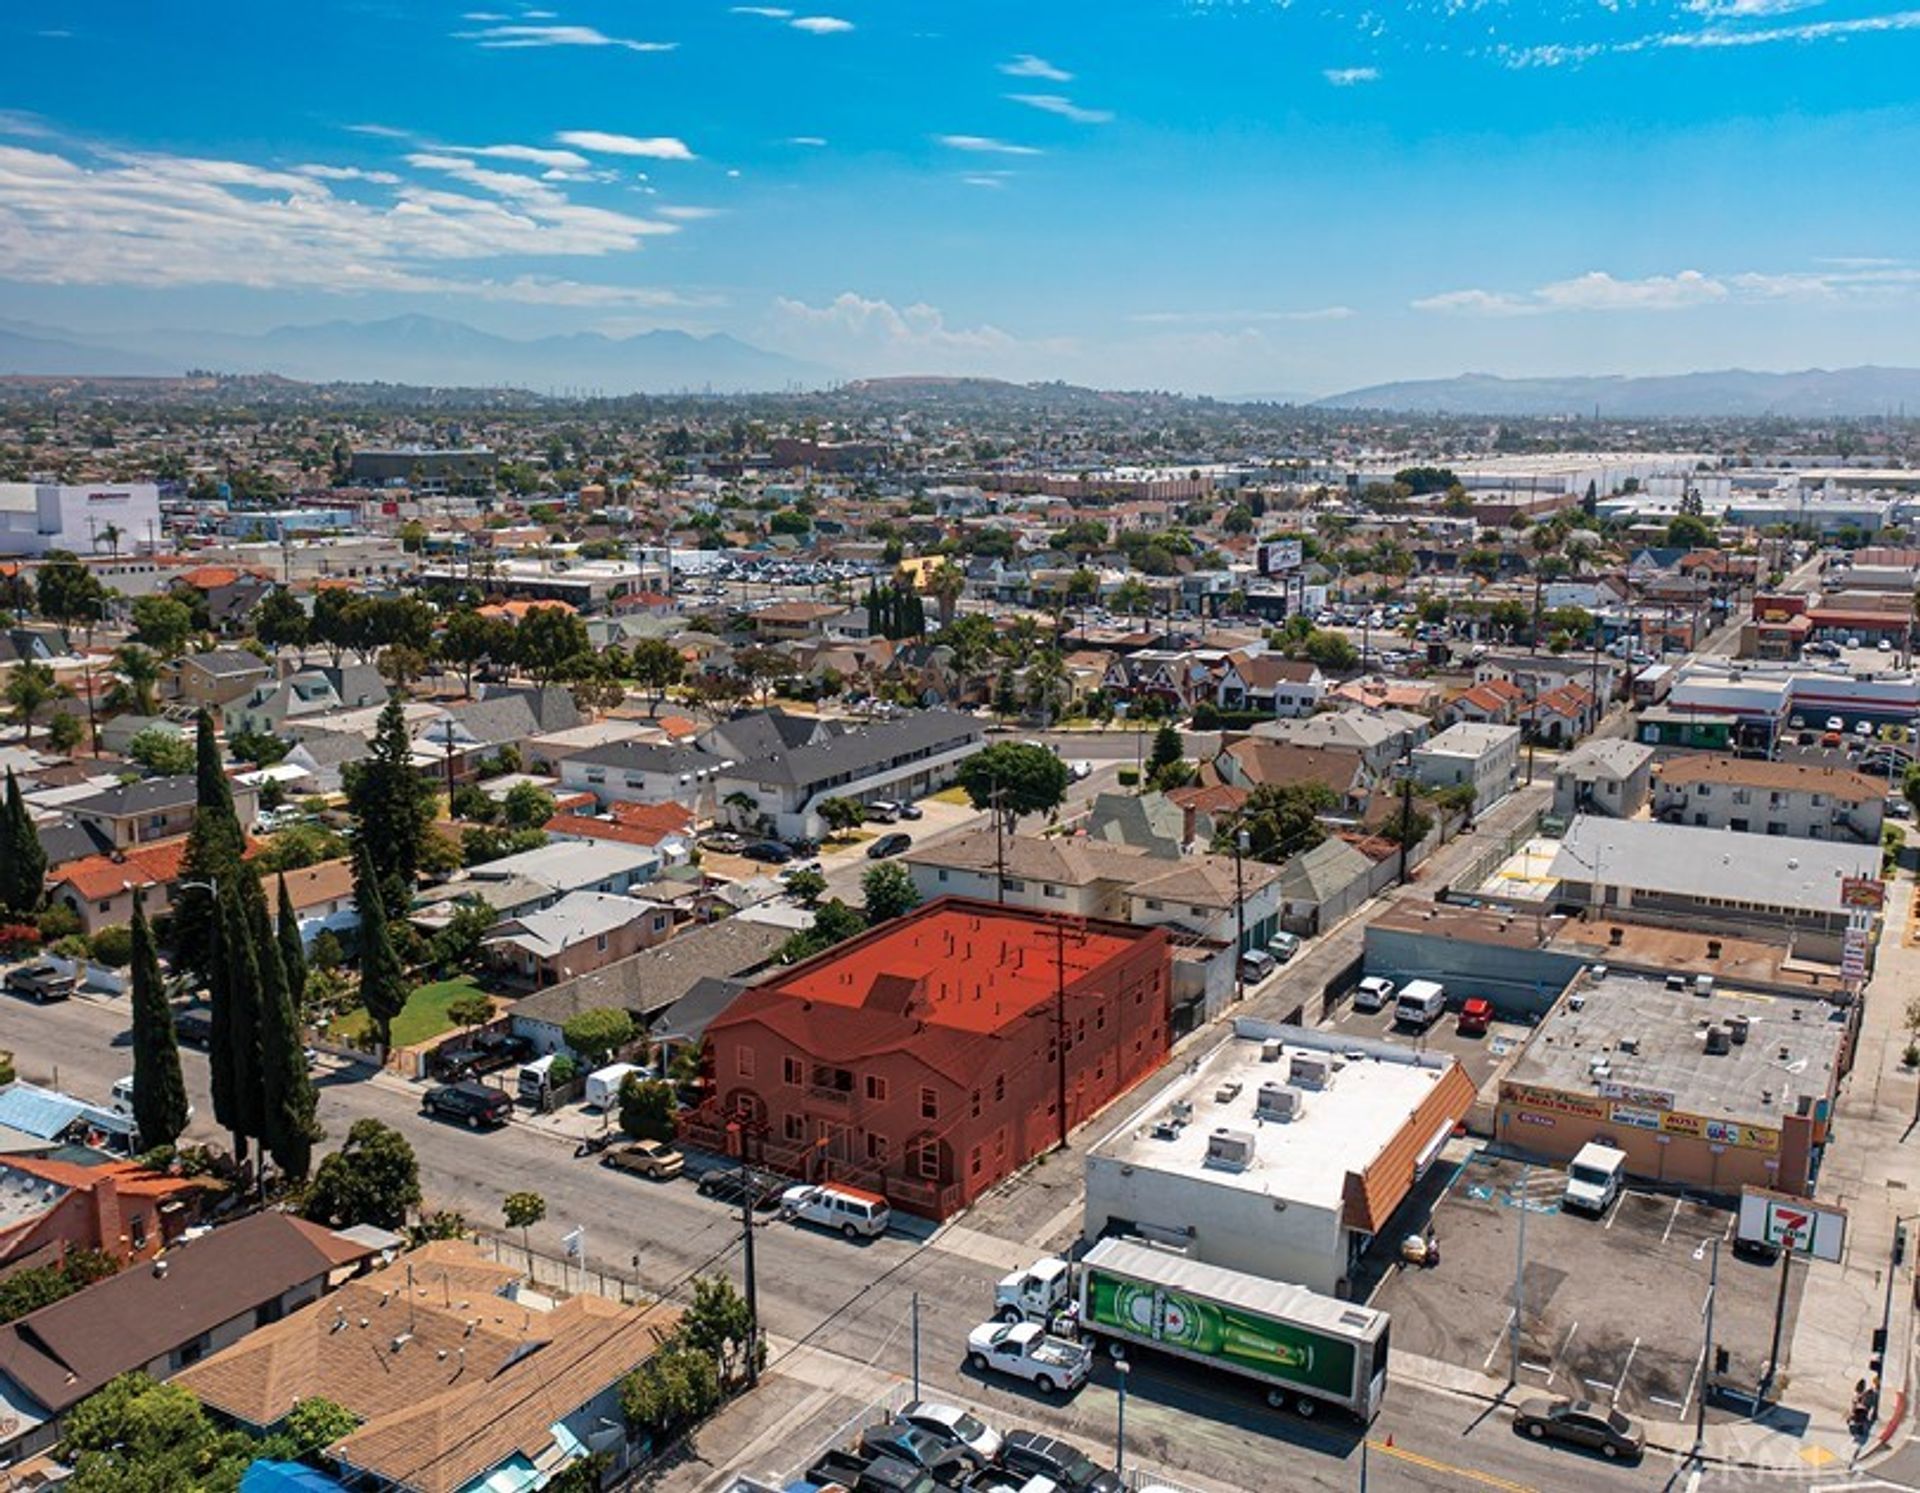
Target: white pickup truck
<point x="1028" y="1351"/>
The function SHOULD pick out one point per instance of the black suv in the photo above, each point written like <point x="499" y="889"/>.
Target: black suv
<point x="488" y="1052"/>
<point x="472" y="1104"/>
<point x="731" y="1183"/>
<point x="195" y="1028"/>
<point x="1035" y="1453"/>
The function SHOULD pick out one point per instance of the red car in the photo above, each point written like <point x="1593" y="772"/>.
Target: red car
<point x="1475" y="1014"/>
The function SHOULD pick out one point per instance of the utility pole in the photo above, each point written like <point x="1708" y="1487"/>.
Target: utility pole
<point x="746" y="1258"/>
<point x="999" y="849"/>
<point x="916" y="1345"/>
<point x="1240" y="845"/>
<point x="1788" y="1239"/>
<point x="1406" y="803"/>
<point x="1519" y="1276"/>
<point x="1706" y="1351"/>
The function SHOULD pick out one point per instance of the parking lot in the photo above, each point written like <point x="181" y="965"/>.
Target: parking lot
<point x="1479" y="1055"/>
<point x="1610" y="1306"/>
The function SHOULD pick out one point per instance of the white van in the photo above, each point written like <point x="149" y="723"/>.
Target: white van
<point x="1420" y="1004"/>
<point x="536" y="1081"/>
<point x="854" y="1212"/>
<point x="1594" y="1177"/>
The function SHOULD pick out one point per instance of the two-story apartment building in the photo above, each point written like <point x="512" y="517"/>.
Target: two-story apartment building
<point x="1481" y="756"/>
<point x="151" y="809"/>
<point x="1796" y="799"/>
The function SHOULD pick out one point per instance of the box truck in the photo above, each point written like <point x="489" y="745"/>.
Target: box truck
<point x="1308" y="1351"/>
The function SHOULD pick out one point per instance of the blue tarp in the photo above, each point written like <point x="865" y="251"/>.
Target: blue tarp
<point x="286" y="1477"/>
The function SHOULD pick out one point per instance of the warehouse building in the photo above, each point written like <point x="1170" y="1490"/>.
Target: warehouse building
<point x="1282" y="1155"/>
<point x="1702" y="1087"/>
<point x="115" y="516"/>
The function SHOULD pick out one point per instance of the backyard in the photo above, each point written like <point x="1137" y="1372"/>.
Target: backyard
<point x="424" y="1018"/>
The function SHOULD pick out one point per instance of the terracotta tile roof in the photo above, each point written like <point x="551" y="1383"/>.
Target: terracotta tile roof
<point x="516" y="611"/>
<point x="664" y="819"/>
<point x="98" y="877"/>
<point x="679" y="727"/>
<point x="129" y="1177"/>
<point x="586" y="827"/>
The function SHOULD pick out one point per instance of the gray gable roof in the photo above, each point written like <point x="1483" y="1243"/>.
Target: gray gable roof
<point x="147" y="796"/>
<point x="69" y="840"/>
<point x="494" y="722"/>
<point x="552" y="706"/>
<point x="765" y="732"/>
<point x="855" y="753"/>
<point x="224" y="663"/>
<point x="655" y="978"/>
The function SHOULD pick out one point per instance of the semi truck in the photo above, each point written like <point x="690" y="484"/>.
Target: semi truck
<point x="1308" y="1351"/>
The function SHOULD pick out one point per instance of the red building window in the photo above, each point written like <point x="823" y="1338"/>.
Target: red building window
<point x="876" y="1148"/>
<point x="876" y="1089"/>
<point x="926" y="1160"/>
<point x="929" y="1105"/>
<point x="743" y="1062"/>
<point x="794" y="1127"/>
<point x="791" y="1072"/>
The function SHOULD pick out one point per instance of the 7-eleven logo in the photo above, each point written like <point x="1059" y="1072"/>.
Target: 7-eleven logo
<point x="1791" y="1225"/>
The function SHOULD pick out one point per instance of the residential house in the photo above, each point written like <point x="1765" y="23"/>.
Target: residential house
<point x="1268" y="682"/>
<point x="117" y="734"/>
<point x="233" y="595"/>
<point x="1562" y="716"/>
<point x="271" y="706"/>
<point x="1482" y="756"/>
<point x="1802" y="800"/>
<point x="209" y="681"/>
<point x="151" y="809"/>
<point x="1380" y="737"/>
<point x="1379" y="693"/>
<point x="1607" y="777"/>
<point x="795" y="621"/>
<point x="1320" y="886"/>
<point x="460" y="1377"/>
<point x="198" y="1297"/>
<point x="1495" y="703"/>
<point x="575" y="866"/>
<point x="49" y="1207"/>
<point x="322" y="759"/>
<point x="322" y="897"/>
<point x="582" y="931"/>
<point x="1254" y="762"/>
<point x="99" y="889"/>
<point x="904" y="1060"/>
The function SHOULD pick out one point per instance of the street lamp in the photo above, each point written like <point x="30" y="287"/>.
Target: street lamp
<point x="1121" y="1368"/>
<point x="1240" y="846"/>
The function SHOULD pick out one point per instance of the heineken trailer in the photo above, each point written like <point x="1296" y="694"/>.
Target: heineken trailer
<point x="1309" y="1351"/>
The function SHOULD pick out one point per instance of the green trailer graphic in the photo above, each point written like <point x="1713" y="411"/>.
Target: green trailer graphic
<point x="1234" y="1337"/>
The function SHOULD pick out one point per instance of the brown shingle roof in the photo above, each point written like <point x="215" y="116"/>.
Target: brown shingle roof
<point x="1795" y="777"/>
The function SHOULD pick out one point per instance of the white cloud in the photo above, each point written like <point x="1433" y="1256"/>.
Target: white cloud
<point x="517" y="38"/>
<point x="1026" y="65"/>
<point x="985" y="145"/>
<point x="813" y="141"/>
<point x="533" y="155"/>
<point x="1347" y="77"/>
<point x="820" y="25"/>
<point x="1593" y="291"/>
<point x="1741" y="10"/>
<point x="348" y="173"/>
<point x="772" y="12"/>
<point x="154" y="220"/>
<point x="690" y="214"/>
<point x="484" y="15"/>
<point x="986" y="179"/>
<point x="651" y="147"/>
<point x="874" y="335"/>
<point x="1066" y="108"/>
<point x="1718" y="36"/>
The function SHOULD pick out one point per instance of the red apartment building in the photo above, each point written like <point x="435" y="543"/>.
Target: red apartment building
<point x="922" y="1059"/>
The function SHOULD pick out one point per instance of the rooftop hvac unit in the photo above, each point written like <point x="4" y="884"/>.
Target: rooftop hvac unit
<point x="1279" y="1101"/>
<point x="1718" y="1042"/>
<point x="1270" y="1050"/>
<point x="1230" y="1150"/>
<point x="1227" y="1092"/>
<point x="1676" y="982"/>
<point x="1311" y="1070"/>
<point x="1737" y="1028"/>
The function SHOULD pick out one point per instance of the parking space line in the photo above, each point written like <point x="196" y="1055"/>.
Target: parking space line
<point x="1671" y="1218"/>
<point x="1565" y="1343"/>
<point x="1693" y="1382"/>
<point x="1499" y="1338"/>
<point x="1625" y="1369"/>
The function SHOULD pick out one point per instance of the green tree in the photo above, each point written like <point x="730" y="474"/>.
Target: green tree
<point x="136" y="1436"/>
<point x="136" y="684"/>
<point x="393" y="809"/>
<point x="288" y="1127"/>
<point x="69" y="593"/>
<point x="470" y="640"/>
<point x="647" y="1108"/>
<point x="159" y="1090"/>
<point x="888" y="892"/>
<point x="470" y="1011"/>
<point x="655" y="664"/>
<point x="806" y="887"/>
<point x="373" y="1179"/>
<point x="280" y="621"/>
<point x="522" y="1211"/>
<point x="293" y="947"/>
<point x="1406" y="825"/>
<point x="1016" y="777"/>
<point x="671" y="1390"/>
<point x="527" y="806"/>
<point x="598" y="1033"/>
<point x="1168" y="750"/>
<point x="111" y="946"/>
<point x="234" y="1049"/>
<point x="548" y="643"/>
<point x="65" y="731"/>
<point x="162" y="624"/>
<point x="215" y="844"/>
<point x="843" y="815"/>
<point x="833" y="922"/>
<point x="23" y="863"/>
<point x="30" y="686"/>
<point x="1331" y="651"/>
<point x="383" y="979"/>
<point x="161" y="753"/>
<point x="1281" y="820"/>
<point x="1690" y="531"/>
<point x="718" y="1323"/>
<point x="316" y="1423"/>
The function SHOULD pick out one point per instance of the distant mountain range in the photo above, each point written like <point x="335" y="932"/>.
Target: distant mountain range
<point x="1730" y="392"/>
<point x="422" y="350"/>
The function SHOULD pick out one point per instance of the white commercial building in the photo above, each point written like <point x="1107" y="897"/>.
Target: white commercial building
<point x="1282" y="1155"/>
<point x="87" y="519"/>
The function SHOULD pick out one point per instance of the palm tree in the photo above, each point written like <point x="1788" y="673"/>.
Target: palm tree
<point x="946" y="583"/>
<point x="110" y="535"/>
<point x="138" y="686"/>
<point x="31" y="686"/>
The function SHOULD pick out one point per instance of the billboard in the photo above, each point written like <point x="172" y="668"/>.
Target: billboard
<point x="1863" y="891"/>
<point x="1817" y="1230"/>
<point x="1278" y="556"/>
<point x="1230" y="1334"/>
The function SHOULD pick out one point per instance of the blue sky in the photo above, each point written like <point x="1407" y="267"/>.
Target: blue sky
<point x="1227" y="196"/>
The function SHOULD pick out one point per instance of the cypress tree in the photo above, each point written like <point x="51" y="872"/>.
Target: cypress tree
<point x="241" y="976"/>
<point x="215" y="845"/>
<point x="159" y="1091"/>
<point x="287" y="1126"/>
<point x="293" y="950"/>
<point x="383" y="980"/>
<point x="23" y="863"/>
<point x="393" y="807"/>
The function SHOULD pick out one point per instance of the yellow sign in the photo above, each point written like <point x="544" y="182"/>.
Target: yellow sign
<point x="1720" y="1132"/>
<point x="1553" y="1101"/>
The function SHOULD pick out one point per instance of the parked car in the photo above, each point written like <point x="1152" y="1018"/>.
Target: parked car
<point x="1283" y="946"/>
<point x="1581" y="1423"/>
<point x="888" y="845"/>
<point x="1476" y="1014"/>
<point x="486" y="1052"/>
<point x="1835" y="723"/>
<point x="472" y="1104"/>
<point x="1035" y="1452"/>
<point x="1374" y="993"/>
<point x="833" y="1205"/>
<point x="1079" y="769"/>
<point x="1256" y="965"/>
<point x="646" y="1158"/>
<point x="883" y="811"/>
<point x="946" y="1459"/>
<point x="43" y="982"/>
<point x="768" y="852"/>
<point x="730" y="1184"/>
<point x="955" y="1424"/>
<point x="840" y="1468"/>
<point x="912" y="811"/>
<point x="1026" y="1350"/>
<point x="195" y="1027"/>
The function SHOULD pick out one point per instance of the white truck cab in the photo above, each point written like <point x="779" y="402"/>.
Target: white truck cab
<point x="1034" y="1294"/>
<point x="1594" y="1177"/>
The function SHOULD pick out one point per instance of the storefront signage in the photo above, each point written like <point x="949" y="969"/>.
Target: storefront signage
<point x="1611" y="1088"/>
<point x="1554" y="1101"/>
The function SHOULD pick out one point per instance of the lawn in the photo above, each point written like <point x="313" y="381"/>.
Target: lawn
<point x="424" y="1018"/>
<point x="954" y="795"/>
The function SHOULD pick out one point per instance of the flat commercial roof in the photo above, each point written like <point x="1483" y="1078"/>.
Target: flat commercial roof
<point x="1728" y="865"/>
<point x="1341" y="1128"/>
<point x="1788" y="1057"/>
